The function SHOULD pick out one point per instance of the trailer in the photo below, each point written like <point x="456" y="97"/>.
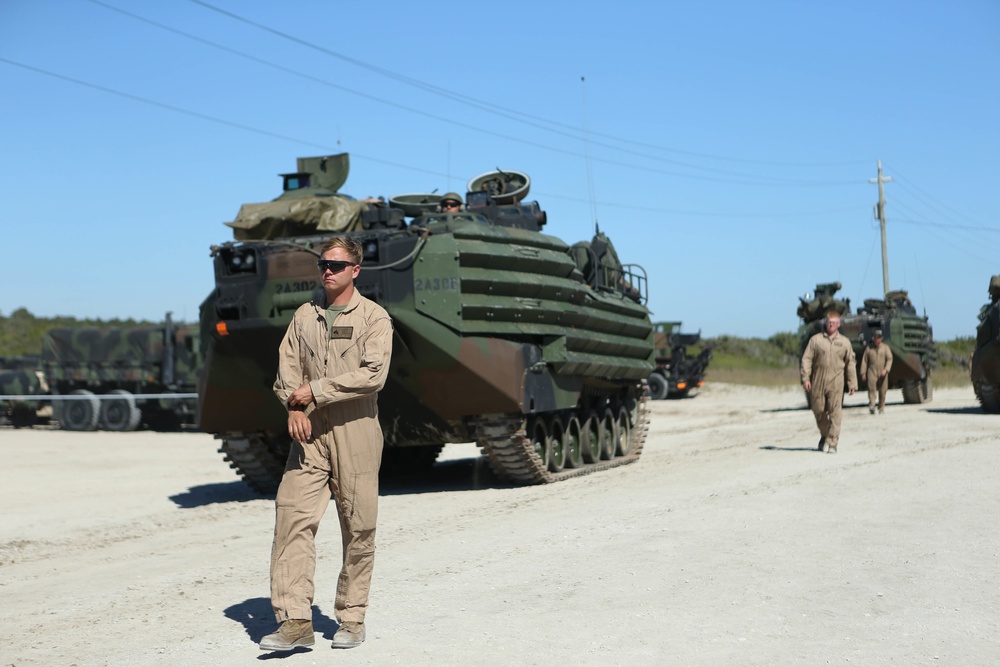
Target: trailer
<point x="114" y="378"/>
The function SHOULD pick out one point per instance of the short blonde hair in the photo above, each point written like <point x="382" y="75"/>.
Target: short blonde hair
<point x="833" y="313"/>
<point x="351" y="246"/>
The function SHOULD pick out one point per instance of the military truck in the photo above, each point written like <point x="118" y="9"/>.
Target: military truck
<point x="119" y="378"/>
<point x="908" y="334"/>
<point x="985" y="366"/>
<point x="21" y="377"/>
<point x="534" y="349"/>
<point x="676" y="373"/>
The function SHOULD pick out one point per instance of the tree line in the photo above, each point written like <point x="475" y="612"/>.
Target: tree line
<point x="21" y="333"/>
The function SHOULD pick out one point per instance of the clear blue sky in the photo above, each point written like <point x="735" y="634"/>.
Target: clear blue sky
<point x="730" y="143"/>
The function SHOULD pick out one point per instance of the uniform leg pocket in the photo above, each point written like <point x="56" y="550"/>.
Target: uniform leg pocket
<point x="363" y="500"/>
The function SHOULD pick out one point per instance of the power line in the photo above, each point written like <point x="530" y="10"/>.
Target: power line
<point x="753" y="179"/>
<point x="506" y="112"/>
<point x="509" y="138"/>
<point x="910" y="186"/>
<point x="327" y="147"/>
<point x="203" y="116"/>
<point x="928" y="223"/>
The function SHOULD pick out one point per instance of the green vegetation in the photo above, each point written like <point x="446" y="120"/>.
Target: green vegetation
<point x="953" y="362"/>
<point x="771" y="362"/>
<point x="21" y="332"/>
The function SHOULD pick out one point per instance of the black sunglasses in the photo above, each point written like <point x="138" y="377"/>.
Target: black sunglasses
<point x="334" y="265"/>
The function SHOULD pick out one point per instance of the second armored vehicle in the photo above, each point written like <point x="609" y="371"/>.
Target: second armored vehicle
<point x="908" y="334"/>
<point x="503" y="335"/>
<point x="985" y="366"/>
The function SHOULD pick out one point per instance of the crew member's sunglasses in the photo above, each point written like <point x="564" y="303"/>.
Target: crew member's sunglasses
<point x="334" y="265"/>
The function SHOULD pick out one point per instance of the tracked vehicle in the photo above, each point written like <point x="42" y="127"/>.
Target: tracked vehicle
<point x="908" y="334"/>
<point x="503" y="335"/>
<point x="985" y="366"/>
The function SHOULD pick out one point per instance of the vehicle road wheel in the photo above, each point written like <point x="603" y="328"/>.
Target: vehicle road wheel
<point x="609" y="435"/>
<point x="557" y="449"/>
<point x="119" y="414"/>
<point x="623" y="439"/>
<point x="657" y="386"/>
<point x="80" y="414"/>
<point x="632" y="407"/>
<point x="573" y="443"/>
<point x="591" y="444"/>
<point x="539" y="438"/>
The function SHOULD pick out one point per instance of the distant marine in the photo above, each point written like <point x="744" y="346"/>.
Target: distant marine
<point x="908" y="334"/>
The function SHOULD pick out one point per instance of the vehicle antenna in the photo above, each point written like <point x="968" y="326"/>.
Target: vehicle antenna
<point x="586" y="149"/>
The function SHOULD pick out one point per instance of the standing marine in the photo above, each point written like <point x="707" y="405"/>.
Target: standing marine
<point x="826" y="363"/>
<point x="875" y="366"/>
<point x="332" y="363"/>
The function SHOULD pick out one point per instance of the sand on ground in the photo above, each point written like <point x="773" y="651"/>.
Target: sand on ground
<point x="731" y="542"/>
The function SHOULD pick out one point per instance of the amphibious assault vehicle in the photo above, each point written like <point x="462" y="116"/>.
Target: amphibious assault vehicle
<point x="985" y="366"/>
<point x="534" y="349"/>
<point x="908" y="335"/>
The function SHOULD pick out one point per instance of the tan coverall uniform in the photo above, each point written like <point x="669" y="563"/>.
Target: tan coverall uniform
<point x="825" y="363"/>
<point x="345" y="368"/>
<point x="874" y="361"/>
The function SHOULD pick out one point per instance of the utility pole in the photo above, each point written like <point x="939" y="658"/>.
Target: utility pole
<point x="880" y="216"/>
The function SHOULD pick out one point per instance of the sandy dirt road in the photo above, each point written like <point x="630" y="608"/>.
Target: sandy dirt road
<point x="731" y="542"/>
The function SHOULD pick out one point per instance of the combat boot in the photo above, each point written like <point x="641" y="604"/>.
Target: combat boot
<point x="292" y="634"/>
<point x="822" y="442"/>
<point x="349" y="635"/>
<point x="871" y="409"/>
<point x="832" y="449"/>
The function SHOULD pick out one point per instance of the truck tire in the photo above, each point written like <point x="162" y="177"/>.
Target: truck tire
<point x="657" y="386"/>
<point x="80" y="414"/>
<point x="119" y="414"/>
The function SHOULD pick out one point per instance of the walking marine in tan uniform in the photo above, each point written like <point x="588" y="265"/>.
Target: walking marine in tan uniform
<point x="875" y="366"/>
<point x="331" y="364"/>
<point x="828" y="358"/>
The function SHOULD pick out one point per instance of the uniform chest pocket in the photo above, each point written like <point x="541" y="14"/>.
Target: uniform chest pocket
<point x="350" y="354"/>
<point x="311" y="361"/>
<point x="307" y="352"/>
